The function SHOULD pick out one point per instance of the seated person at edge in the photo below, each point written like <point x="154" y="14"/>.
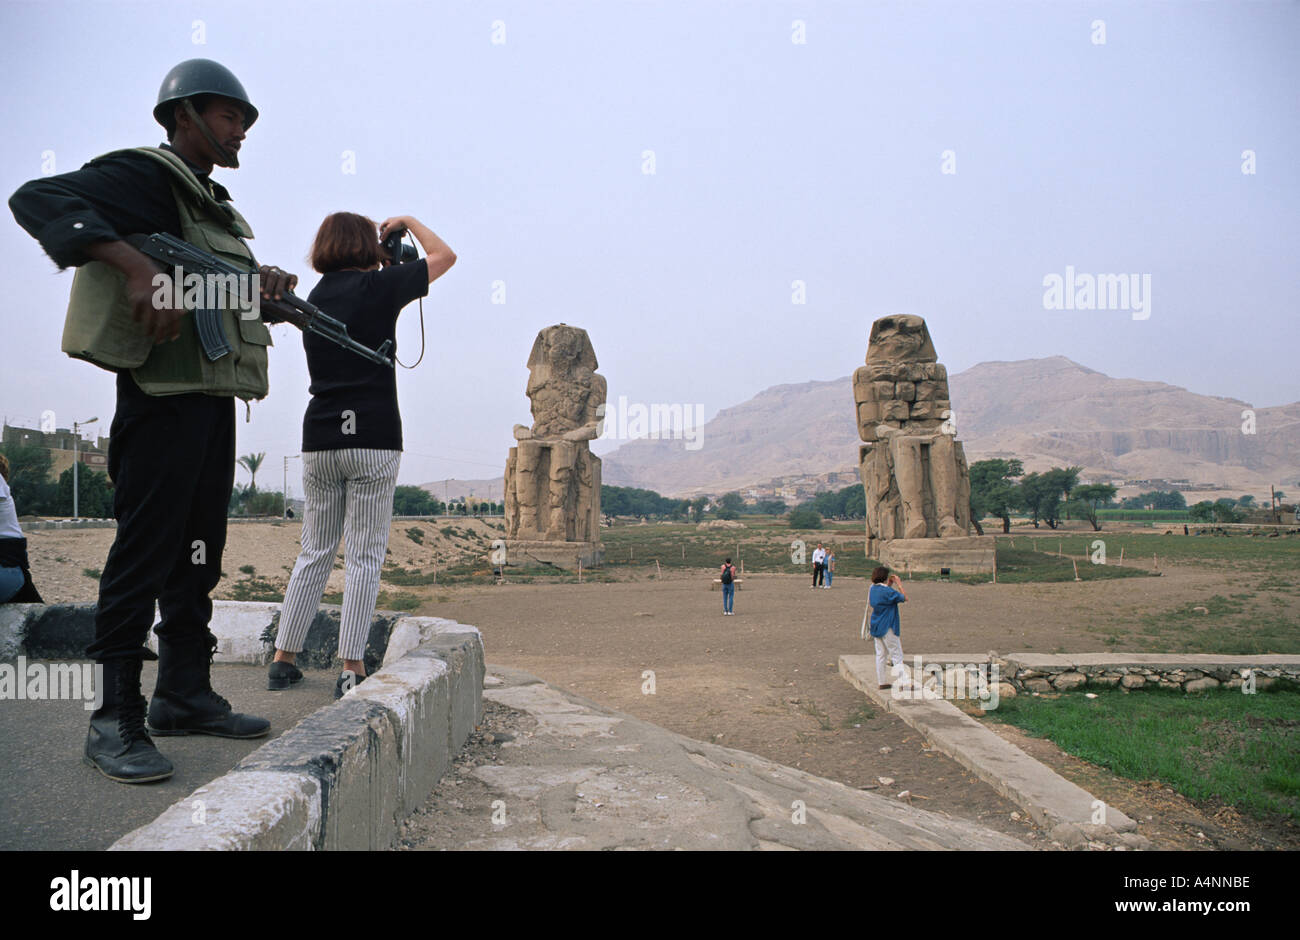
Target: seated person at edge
<point x="351" y="433"/>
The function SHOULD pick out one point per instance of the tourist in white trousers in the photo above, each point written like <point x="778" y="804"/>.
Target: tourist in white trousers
<point x="349" y="496"/>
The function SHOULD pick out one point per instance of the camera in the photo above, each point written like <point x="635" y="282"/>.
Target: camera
<point x="394" y="251"/>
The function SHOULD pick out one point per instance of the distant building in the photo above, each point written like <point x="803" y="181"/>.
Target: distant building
<point x="59" y="443"/>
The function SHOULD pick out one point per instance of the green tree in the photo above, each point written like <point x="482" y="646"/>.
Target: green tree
<point x="771" y="507"/>
<point x="828" y="504"/>
<point x="1156" y="499"/>
<point x="29" y="479"/>
<point x="251" y="463"/>
<point x="414" y="501"/>
<point x="1246" y="502"/>
<point x="1225" y="510"/>
<point x="1202" y="511"/>
<point x="855" y="501"/>
<point x="1042" y="493"/>
<point x="993" y="491"/>
<point x="629" y="501"/>
<point x="730" y="505"/>
<point x="94" y="493"/>
<point x="1088" y="499"/>
<point x="698" y="506"/>
<point x="805" y="517"/>
<point x="1037" y="495"/>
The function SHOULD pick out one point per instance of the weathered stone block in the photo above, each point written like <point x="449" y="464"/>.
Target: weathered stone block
<point x="351" y="749"/>
<point x="895" y="410"/>
<point x="1069" y="680"/>
<point x="928" y="391"/>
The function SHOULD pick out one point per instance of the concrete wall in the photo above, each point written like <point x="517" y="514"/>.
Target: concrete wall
<point x="342" y="778"/>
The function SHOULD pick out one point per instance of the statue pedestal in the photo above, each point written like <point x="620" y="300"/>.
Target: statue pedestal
<point x="565" y="555"/>
<point x="964" y="555"/>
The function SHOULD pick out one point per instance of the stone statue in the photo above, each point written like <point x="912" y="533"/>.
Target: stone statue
<point x="552" y="484"/>
<point x="912" y="466"/>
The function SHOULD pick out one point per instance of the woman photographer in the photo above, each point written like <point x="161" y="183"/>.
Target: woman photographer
<point x="352" y="432"/>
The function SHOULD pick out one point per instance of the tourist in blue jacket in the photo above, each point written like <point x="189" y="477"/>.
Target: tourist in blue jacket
<point x="884" y="597"/>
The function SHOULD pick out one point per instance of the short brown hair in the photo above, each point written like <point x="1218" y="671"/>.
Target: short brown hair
<point x="345" y="240"/>
<point x="4" y="467"/>
<point x="880" y="575"/>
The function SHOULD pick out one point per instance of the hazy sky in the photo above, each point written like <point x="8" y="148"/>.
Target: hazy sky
<point x="790" y="142"/>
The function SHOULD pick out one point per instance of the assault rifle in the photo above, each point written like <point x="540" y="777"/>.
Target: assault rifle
<point x="175" y="253"/>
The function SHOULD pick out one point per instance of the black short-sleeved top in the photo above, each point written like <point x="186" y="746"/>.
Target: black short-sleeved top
<point x="367" y="302"/>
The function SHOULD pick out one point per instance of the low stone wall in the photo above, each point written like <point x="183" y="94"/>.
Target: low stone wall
<point x="346" y="776"/>
<point x="38" y="525"/>
<point x="245" y="632"/>
<point x="1028" y="674"/>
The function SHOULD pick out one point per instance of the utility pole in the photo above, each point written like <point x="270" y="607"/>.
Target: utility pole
<point x="284" y="492"/>
<point x="76" y="459"/>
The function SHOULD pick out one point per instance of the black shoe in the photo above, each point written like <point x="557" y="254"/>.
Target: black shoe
<point x="282" y="675"/>
<point x="347" y="680"/>
<point x="183" y="700"/>
<point x="117" y="744"/>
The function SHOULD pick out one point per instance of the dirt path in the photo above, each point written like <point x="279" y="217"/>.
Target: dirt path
<point x="765" y="680"/>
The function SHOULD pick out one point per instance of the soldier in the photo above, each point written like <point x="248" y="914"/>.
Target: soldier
<point x="172" y="444"/>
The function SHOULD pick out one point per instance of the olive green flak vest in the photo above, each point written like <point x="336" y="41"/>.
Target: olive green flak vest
<point x="99" y="327"/>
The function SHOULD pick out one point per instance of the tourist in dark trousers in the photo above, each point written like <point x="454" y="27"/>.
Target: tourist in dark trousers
<point x="171" y="454"/>
<point x="819" y="565"/>
<point x="885" y="595"/>
<point x="351" y="433"/>
<point x="728" y="587"/>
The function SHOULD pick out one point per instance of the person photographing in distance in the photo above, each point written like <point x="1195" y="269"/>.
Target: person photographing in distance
<point x="885" y="595"/>
<point x="352" y="430"/>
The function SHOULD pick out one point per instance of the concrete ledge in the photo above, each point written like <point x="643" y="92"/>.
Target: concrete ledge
<point x="350" y="749"/>
<point x="372" y="757"/>
<point x="1048" y="797"/>
<point x="69" y="524"/>
<point x="245" y="632"/>
<point x="14" y="626"/>
<point x="237" y="812"/>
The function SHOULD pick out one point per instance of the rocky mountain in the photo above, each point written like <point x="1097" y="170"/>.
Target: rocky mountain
<point x="1046" y="412"/>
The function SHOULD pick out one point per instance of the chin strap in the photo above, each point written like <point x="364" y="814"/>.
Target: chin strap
<point x="228" y="158"/>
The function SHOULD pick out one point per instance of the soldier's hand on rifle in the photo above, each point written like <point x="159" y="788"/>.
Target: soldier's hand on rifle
<point x="275" y="281"/>
<point x="151" y="305"/>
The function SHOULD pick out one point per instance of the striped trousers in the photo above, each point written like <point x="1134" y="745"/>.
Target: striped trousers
<point x="350" y="495"/>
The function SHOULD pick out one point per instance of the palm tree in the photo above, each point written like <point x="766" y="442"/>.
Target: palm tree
<point x="251" y="463"/>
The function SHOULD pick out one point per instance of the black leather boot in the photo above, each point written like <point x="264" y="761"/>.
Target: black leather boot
<point x="280" y="675"/>
<point x="183" y="701"/>
<point x="117" y="745"/>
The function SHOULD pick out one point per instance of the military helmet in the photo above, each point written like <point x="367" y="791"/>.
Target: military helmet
<point x="200" y="77"/>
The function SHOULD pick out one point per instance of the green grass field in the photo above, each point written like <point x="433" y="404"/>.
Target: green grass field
<point x="1242" y="750"/>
